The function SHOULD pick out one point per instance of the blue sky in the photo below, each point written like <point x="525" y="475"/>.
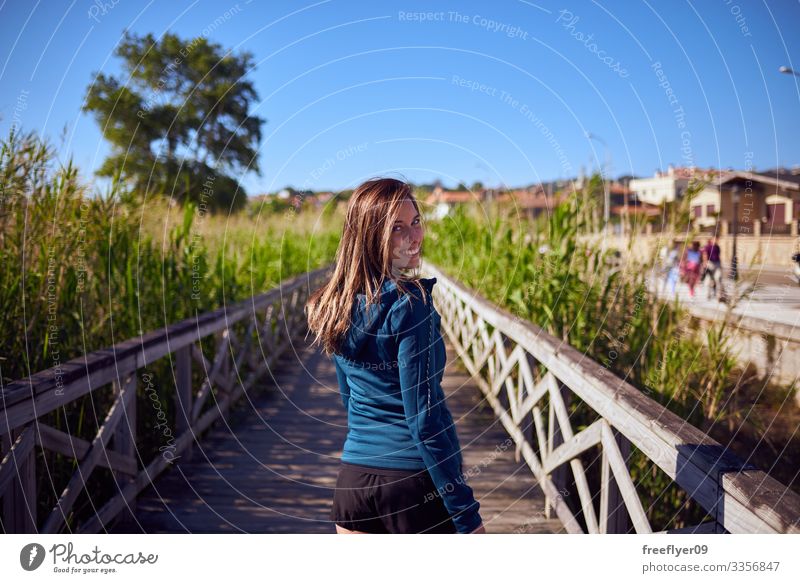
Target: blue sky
<point x="501" y="92"/>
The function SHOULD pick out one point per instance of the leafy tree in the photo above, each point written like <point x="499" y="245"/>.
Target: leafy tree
<point x="178" y="119"/>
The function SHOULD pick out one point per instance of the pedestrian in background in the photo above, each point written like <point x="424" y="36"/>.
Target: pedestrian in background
<point x="691" y="266"/>
<point x="713" y="267"/>
<point x="672" y="267"/>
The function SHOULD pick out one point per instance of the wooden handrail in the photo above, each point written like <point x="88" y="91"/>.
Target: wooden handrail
<point x="84" y="373"/>
<point x="741" y="498"/>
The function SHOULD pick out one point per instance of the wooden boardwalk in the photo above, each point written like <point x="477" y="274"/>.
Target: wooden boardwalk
<point x="271" y="468"/>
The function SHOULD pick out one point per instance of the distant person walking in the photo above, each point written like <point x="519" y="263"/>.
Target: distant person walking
<point x="713" y="266"/>
<point x="690" y="267"/>
<point x="672" y="267"/>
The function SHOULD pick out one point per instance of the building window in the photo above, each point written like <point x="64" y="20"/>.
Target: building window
<point x="698" y="211"/>
<point x="710" y="210"/>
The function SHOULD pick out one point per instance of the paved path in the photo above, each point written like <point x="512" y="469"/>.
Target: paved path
<point x="775" y="302"/>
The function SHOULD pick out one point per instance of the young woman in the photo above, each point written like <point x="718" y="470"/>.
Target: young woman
<point x="401" y="465"/>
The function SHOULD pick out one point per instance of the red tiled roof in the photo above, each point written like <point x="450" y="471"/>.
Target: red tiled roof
<point x="452" y="196"/>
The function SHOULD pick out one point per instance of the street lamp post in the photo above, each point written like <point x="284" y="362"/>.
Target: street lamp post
<point x="606" y="184"/>
<point x="735" y="194"/>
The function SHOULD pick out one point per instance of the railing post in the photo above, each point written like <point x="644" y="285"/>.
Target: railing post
<point x="614" y="517"/>
<point x="225" y="374"/>
<point x="534" y="438"/>
<point x="19" y="501"/>
<point x="183" y="397"/>
<point x="555" y="438"/>
<point x="124" y="442"/>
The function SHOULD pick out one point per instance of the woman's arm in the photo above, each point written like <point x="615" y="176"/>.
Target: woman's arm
<point x="344" y="388"/>
<point x="427" y="417"/>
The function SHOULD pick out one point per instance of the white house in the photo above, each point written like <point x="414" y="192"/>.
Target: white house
<point x="663" y="187"/>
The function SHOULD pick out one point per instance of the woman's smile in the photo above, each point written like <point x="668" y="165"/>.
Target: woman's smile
<point x="407" y="235"/>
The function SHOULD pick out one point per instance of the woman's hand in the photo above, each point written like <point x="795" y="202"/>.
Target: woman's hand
<point x="480" y="530"/>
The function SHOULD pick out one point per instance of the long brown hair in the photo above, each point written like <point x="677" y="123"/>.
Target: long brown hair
<point x="363" y="260"/>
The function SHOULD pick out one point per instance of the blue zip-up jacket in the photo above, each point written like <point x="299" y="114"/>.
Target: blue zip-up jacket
<point x="390" y="368"/>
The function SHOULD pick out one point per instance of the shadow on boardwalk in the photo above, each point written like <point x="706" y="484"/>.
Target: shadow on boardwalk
<point x="272" y="467"/>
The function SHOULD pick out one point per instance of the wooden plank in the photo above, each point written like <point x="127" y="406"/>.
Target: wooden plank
<point x="26" y="407"/>
<point x="613" y="514"/>
<point x="212" y="376"/>
<point x="749" y="504"/>
<point x="573" y="447"/>
<point x="558" y="394"/>
<point x="17" y="454"/>
<point x="27" y="485"/>
<point x="78" y="481"/>
<point x="554" y="439"/>
<point x="624" y="483"/>
<point x="507" y="364"/>
<point x="184" y="406"/>
<point x="738" y="516"/>
<point x="68" y="445"/>
<point x="244" y="348"/>
<point x="18" y="479"/>
<point x="539" y="429"/>
<point x="225" y="377"/>
<point x="533" y="397"/>
<point x="124" y="444"/>
<point x="200" y="358"/>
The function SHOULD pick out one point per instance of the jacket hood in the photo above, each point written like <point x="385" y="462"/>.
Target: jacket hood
<point x="363" y="325"/>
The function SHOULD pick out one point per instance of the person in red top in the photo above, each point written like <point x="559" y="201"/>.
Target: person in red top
<point x="690" y="267"/>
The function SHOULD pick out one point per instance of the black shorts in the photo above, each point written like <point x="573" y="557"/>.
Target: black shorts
<point x="384" y="501"/>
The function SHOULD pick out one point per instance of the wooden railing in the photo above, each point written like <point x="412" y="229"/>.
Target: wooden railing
<point x="249" y="336"/>
<point x="523" y="371"/>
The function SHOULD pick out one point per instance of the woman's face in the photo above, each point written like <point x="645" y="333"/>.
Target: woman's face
<point x="407" y="237"/>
